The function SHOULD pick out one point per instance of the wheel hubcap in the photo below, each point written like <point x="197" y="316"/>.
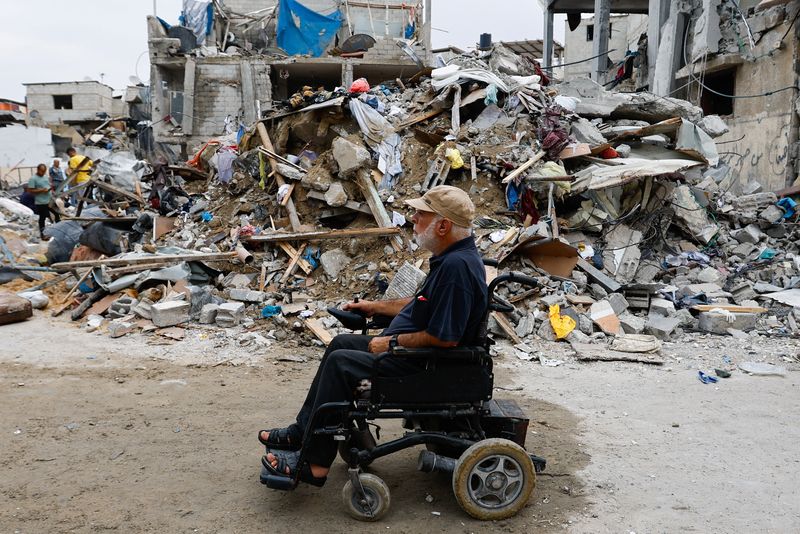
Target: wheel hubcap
<point x="496" y="481"/>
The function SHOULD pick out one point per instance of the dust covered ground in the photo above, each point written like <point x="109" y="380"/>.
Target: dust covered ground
<point x="134" y="435"/>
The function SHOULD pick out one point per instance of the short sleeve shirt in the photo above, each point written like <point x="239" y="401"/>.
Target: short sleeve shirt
<point x="82" y="175"/>
<point x="451" y="303"/>
<point x="40" y="182"/>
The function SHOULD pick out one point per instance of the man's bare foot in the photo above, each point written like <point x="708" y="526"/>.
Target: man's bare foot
<point x="317" y="470"/>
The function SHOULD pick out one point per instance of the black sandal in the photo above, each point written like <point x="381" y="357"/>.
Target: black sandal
<point x="285" y="439"/>
<point x="289" y="459"/>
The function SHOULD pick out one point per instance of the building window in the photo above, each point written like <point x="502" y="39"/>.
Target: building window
<point x="722" y="82"/>
<point x="590" y="31"/>
<point x="62" y="101"/>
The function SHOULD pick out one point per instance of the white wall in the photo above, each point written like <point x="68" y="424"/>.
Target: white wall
<point x="625" y="31"/>
<point x="31" y="145"/>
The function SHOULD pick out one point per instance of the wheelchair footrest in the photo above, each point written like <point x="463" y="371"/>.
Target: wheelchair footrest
<point x="276" y="482"/>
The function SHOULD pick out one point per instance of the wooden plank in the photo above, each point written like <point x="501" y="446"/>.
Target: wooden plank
<point x="164" y="259"/>
<point x="669" y="126"/>
<point x="524" y="167"/>
<point x="419" y="118"/>
<point x="293" y="263"/>
<point x="116" y="190"/>
<point x="291" y="252"/>
<point x="523" y="295"/>
<point x="323" y="235"/>
<point x="102" y="305"/>
<point x="730" y="308"/>
<point x="376" y="205"/>
<point x="294" y="220"/>
<point x="315" y="325"/>
<point x="473" y="168"/>
<point x="505" y="326"/>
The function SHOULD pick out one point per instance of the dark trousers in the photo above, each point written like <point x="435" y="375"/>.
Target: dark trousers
<point x="345" y="363"/>
<point x="44" y="211"/>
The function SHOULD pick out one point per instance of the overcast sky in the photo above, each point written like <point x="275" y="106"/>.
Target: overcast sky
<point x="58" y="40"/>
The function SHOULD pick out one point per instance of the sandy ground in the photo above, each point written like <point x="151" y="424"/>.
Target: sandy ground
<point x="134" y="435"/>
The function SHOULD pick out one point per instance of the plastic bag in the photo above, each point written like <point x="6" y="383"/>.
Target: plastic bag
<point x="562" y="324"/>
<point x="453" y="155"/>
<point x="491" y="95"/>
<point x="359" y="86"/>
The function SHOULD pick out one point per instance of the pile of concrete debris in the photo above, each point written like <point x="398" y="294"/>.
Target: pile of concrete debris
<point x="618" y="202"/>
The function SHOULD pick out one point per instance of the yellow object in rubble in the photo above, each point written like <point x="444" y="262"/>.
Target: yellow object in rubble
<point x="562" y="324"/>
<point x="453" y="155"/>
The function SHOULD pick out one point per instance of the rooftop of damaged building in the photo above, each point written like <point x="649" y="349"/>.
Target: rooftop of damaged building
<point x="619" y="203"/>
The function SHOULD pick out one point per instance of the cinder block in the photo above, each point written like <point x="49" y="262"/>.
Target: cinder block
<point x="169" y="313"/>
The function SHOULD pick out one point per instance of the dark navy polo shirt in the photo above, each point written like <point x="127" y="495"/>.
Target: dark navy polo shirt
<point x="451" y="303"/>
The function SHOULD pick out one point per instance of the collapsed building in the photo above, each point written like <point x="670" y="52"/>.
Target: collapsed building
<point x="738" y="60"/>
<point x="240" y="59"/>
<point x="620" y="203"/>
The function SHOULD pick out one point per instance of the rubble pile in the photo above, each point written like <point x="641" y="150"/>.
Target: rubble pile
<point x="619" y="203"/>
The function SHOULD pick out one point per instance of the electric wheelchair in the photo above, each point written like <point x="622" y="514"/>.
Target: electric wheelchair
<point x="448" y="407"/>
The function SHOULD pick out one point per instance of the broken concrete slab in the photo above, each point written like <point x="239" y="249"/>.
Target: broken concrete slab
<point x="349" y="156"/>
<point x="618" y="302"/>
<point x="771" y="214"/>
<point x="662" y="307"/>
<point x="247" y="295"/>
<point x="691" y="217"/>
<point x="710" y="275"/>
<point x="143" y="308"/>
<point x="590" y="352"/>
<point x="120" y="328"/>
<point x="586" y="132"/>
<point x="718" y="322"/>
<point x="636" y="343"/>
<point x="713" y="125"/>
<point x="661" y="326"/>
<point x="169" y="313"/>
<point x="749" y="234"/>
<point x="333" y="261"/>
<point x="622" y="255"/>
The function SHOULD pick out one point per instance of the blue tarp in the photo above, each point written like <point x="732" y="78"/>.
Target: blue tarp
<point x="303" y="31"/>
<point x="198" y="15"/>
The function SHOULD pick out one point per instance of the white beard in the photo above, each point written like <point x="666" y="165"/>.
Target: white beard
<point x="427" y="239"/>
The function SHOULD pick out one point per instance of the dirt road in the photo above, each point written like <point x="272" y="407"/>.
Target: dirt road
<point x="126" y="435"/>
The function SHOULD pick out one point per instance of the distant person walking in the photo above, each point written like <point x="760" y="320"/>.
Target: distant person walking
<point x="39" y="186"/>
<point x="57" y="176"/>
<point x="80" y="168"/>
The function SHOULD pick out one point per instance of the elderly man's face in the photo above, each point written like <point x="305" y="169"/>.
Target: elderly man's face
<point x="425" y="230"/>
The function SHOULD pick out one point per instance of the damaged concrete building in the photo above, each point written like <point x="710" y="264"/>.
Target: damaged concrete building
<point x="240" y="56"/>
<point x="736" y="60"/>
<point x="71" y="103"/>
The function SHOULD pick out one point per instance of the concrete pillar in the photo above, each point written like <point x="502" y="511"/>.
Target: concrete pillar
<point x="188" y="96"/>
<point x="347" y="74"/>
<point x="158" y="104"/>
<point x="602" y="21"/>
<point x="248" y="92"/>
<point x="658" y="12"/>
<point x="547" y="51"/>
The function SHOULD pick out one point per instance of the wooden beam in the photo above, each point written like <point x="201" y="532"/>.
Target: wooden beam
<point x="164" y="259"/>
<point x="419" y="118"/>
<point x="505" y="326"/>
<point x="323" y="235"/>
<point x="293" y="263"/>
<point x="524" y="167"/>
<point x="375" y="204"/>
<point x="291" y="252"/>
<point x="290" y="209"/>
<point x="315" y="325"/>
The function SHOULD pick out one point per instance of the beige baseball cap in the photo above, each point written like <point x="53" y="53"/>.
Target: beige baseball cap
<point x="449" y="202"/>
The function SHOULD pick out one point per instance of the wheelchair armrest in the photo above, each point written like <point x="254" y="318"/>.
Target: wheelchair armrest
<point x="379" y="321"/>
<point x="466" y="354"/>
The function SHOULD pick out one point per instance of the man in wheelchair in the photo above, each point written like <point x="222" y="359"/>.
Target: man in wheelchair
<point x="446" y="312"/>
<point x="431" y="368"/>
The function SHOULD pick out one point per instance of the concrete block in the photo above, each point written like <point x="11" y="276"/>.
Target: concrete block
<point x="333" y="261"/>
<point x="122" y="307"/>
<point x="631" y="324"/>
<point x="662" y="307"/>
<point x="719" y="323"/>
<point x="169" y="313"/>
<point x="247" y="295"/>
<point x="143" y="308"/>
<point x="661" y="326"/>
<point x="749" y="234"/>
<point x="526" y="325"/>
<point x="585" y="324"/>
<point x="349" y="156"/>
<point x="771" y="214"/>
<point x="208" y="314"/>
<point x="546" y="331"/>
<point x="618" y="302"/>
<point x="335" y="196"/>
<point x="230" y="314"/>
<point x="743" y="291"/>
<point x="120" y="328"/>
<point x="751" y="188"/>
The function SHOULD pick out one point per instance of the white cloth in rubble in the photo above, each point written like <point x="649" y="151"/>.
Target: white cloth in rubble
<point x="443" y="77"/>
<point x="381" y="137"/>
